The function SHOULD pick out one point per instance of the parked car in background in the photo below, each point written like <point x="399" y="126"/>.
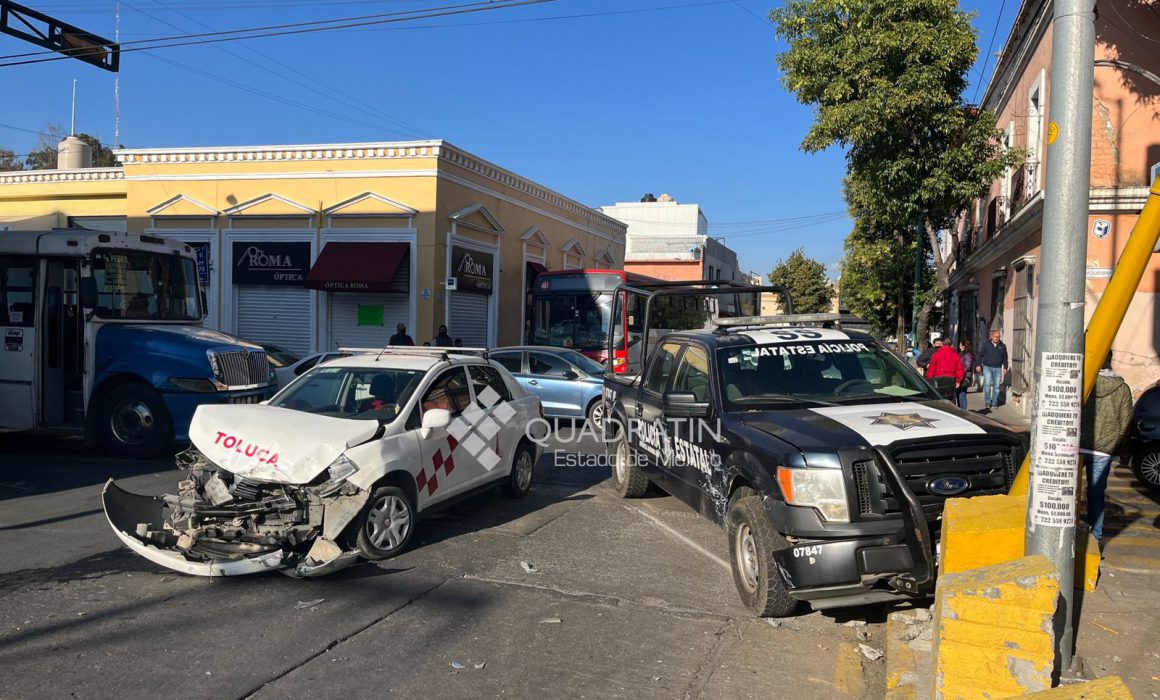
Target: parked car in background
<point x="567" y="382"/>
<point x="1143" y="443"/>
<point x="287" y="373"/>
<point x="279" y="356"/>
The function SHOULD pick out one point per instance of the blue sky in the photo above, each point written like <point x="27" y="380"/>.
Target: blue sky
<point x="676" y="96"/>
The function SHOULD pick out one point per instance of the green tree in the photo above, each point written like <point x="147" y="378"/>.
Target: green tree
<point x="9" y="160"/>
<point x="805" y="278"/>
<point x="885" y="79"/>
<point x="43" y="157"/>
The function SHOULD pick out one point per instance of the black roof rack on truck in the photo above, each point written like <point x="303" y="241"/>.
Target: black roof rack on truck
<point x="842" y="319"/>
<point x="699" y="314"/>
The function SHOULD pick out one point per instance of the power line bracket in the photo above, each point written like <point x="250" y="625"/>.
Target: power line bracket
<point x="52" y="34"/>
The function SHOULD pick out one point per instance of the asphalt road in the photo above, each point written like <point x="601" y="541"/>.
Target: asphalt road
<point x="627" y="599"/>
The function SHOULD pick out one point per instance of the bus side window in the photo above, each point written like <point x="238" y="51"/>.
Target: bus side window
<point x="17" y="290"/>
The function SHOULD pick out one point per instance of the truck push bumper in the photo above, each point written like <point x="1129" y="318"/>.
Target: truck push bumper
<point x="843" y="572"/>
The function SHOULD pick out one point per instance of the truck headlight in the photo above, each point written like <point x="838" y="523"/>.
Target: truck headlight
<point x="824" y="489"/>
<point x="201" y="386"/>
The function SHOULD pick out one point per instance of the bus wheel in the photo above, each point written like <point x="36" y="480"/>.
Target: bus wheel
<point x="132" y="421"/>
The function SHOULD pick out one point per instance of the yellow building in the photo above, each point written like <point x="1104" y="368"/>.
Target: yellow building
<point x="327" y="245"/>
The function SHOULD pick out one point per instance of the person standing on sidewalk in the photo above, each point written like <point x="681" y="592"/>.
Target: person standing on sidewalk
<point x="1106" y="417"/>
<point x="923" y="361"/>
<point x="993" y="364"/>
<point x="945" y="362"/>
<point x="968" y="372"/>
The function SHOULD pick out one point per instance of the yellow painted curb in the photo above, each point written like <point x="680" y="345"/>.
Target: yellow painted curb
<point x="1108" y="688"/>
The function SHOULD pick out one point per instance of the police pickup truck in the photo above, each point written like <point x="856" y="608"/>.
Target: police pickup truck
<point x="825" y="456"/>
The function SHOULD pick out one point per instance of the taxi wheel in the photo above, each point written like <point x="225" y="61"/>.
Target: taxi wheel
<point x="385" y="524"/>
<point x="519" y="480"/>
<point x="752" y="542"/>
<point x="627" y="478"/>
<point x="132" y="420"/>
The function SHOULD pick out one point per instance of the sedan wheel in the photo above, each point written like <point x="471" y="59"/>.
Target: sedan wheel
<point x="386" y="524"/>
<point x="596" y="415"/>
<point x="1146" y="465"/>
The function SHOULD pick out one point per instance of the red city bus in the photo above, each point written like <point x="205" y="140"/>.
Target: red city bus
<point x="573" y="309"/>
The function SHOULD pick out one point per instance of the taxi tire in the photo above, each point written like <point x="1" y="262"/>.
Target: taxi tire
<point x="511" y="486"/>
<point x="770" y="597"/>
<point x="159" y="438"/>
<point x="360" y="538"/>
<point x="629" y="482"/>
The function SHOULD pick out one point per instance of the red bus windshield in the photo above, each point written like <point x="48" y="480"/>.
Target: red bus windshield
<point x="573" y="309"/>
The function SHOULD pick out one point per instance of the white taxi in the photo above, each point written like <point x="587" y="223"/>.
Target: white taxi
<point x="338" y="465"/>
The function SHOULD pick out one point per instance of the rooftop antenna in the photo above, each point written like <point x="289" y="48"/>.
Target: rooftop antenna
<point x="72" y="127"/>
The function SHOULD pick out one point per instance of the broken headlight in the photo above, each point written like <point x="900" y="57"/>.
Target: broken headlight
<point x="340" y="469"/>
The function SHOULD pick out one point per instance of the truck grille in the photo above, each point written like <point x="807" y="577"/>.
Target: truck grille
<point x="240" y="368"/>
<point x="988" y="468"/>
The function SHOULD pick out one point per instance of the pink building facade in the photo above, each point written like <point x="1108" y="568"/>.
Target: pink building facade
<point x="995" y="282"/>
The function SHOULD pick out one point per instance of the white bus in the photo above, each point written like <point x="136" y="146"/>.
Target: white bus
<point x="102" y="334"/>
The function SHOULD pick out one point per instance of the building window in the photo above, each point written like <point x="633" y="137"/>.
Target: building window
<point x="1005" y="186"/>
<point x="710" y="275"/>
<point x="1035" y="111"/>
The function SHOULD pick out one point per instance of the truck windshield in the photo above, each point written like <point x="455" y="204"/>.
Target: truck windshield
<point x="757" y="377"/>
<point x="135" y="284"/>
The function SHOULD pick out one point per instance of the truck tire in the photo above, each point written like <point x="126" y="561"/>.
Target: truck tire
<point x="752" y="542"/>
<point x="385" y="525"/>
<point x="627" y="478"/>
<point x="132" y="420"/>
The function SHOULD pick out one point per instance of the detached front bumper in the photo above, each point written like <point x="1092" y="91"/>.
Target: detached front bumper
<point x="133" y="517"/>
<point x="835" y="573"/>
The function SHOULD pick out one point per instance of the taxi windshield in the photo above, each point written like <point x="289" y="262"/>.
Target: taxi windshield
<point x="758" y="377"/>
<point x="351" y="392"/>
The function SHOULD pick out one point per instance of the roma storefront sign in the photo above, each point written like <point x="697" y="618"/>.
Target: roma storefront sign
<point x="472" y="270"/>
<point x="271" y="263"/>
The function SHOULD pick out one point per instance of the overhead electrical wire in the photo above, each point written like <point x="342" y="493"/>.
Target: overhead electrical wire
<point x="987" y="55"/>
<point x="292" y="29"/>
<point x="400" y="127"/>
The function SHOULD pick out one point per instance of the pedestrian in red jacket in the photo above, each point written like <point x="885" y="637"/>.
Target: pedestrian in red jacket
<point x="945" y="362"/>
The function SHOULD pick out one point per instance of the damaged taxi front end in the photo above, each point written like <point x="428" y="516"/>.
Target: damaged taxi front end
<point x="258" y="496"/>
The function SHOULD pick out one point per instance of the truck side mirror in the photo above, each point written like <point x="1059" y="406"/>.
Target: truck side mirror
<point x="88" y="293"/>
<point x="684" y="404"/>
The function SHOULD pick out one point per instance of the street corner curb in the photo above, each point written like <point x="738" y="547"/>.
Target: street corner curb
<point x="994" y="630"/>
<point x="908" y="652"/>
<point x="1107" y="688"/>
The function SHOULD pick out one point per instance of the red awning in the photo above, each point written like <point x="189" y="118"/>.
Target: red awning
<point x="358" y="267"/>
<point x="536" y="268"/>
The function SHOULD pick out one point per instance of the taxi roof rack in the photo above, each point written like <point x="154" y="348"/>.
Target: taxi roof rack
<point x="443" y="352"/>
<point x="821" y="320"/>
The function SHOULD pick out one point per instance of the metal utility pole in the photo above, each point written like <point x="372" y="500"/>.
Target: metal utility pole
<point x="1059" y="344"/>
<point x="50" y="33"/>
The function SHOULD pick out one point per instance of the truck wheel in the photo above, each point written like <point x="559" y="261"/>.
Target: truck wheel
<point x="627" y="478"/>
<point x="133" y="421"/>
<point x="385" y="524"/>
<point x="752" y="542"/>
<point x="519" y="481"/>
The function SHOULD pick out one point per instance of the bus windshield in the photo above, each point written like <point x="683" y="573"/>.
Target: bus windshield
<point x="578" y="321"/>
<point x="134" y="284"/>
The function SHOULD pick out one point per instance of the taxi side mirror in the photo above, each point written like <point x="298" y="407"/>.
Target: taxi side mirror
<point x="434" y="419"/>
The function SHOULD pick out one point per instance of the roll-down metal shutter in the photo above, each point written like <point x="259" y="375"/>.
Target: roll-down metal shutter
<point x="467" y="318"/>
<point x="344" y="329"/>
<point x="277" y="315"/>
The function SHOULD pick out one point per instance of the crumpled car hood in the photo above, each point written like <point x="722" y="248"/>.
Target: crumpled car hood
<point x="279" y="445"/>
